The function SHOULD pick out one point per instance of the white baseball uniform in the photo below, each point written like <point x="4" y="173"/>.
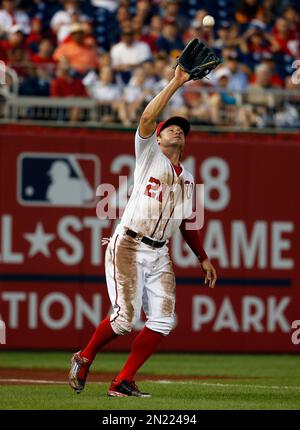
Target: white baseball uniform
<point x="139" y="275"/>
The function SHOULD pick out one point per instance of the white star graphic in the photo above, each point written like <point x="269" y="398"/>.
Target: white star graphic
<point x="39" y="241"/>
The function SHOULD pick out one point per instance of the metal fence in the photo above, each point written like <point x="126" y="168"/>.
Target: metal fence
<point x="204" y="107"/>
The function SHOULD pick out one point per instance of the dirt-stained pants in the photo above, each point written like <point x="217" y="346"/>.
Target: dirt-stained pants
<point x="139" y="276"/>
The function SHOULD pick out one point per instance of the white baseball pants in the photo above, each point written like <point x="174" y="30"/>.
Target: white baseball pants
<point x="139" y="276"/>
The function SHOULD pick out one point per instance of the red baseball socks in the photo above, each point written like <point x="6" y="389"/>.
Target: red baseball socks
<point x="102" y="335"/>
<point x="143" y="346"/>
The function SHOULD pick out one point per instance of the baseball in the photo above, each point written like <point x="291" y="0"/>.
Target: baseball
<point x="208" y="21"/>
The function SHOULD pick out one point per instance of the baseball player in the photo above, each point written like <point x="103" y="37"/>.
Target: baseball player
<point x="138" y="268"/>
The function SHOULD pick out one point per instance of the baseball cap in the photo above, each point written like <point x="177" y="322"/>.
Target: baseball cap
<point x="222" y="73"/>
<point x="174" y="120"/>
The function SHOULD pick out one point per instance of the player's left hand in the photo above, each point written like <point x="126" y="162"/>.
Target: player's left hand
<point x="210" y="273"/>
<point x="181" y="76"/>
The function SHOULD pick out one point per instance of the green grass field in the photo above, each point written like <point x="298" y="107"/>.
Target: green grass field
<point x="235" y="382"/>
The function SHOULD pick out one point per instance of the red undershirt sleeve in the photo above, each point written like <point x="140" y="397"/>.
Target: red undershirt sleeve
<point x="192" y="238"/>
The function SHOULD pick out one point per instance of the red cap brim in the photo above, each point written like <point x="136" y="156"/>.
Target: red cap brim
<point x="174" y="120"/>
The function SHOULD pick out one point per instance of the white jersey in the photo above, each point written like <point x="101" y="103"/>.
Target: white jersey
<point x="160" y="199"/>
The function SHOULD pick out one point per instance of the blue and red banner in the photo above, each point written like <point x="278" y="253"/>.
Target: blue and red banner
<point x="52" y="283"/>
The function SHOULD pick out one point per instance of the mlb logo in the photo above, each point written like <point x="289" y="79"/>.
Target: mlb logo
<point x="58" y="179"/>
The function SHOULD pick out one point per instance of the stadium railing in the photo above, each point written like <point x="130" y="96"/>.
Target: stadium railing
<point x="276" y="109"/>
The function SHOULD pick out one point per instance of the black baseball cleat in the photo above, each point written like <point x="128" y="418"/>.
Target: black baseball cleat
<point x="78" y="372"/>
<point x="125" y="389"/>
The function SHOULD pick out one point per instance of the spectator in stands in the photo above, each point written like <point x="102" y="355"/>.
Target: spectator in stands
<point x="102" y="88"/>
<point x="14" y="53"/>
<point x="105" y="90"/>
<point x="260" y="101"/>
<point x="254" y="44"/>
<point x="176" y="105"/>
<point x="237" y="79"/>
<point x="19" y="61"/>
<point x="266" y="14"/>
<point x="143" y="10"/>
<point x="104" y="59"/>
<point x="43" y="11"/>
<point x="222" y="39"/>
<point x="128" y="54"/>
<point x="36" y="82"/>
<point x="258" y="91"/>
<point x="276" y="80"/>
<point x="44" y="57"/>
<point x="197" y="102"/>
<point x="89" y="38"/>
<point x="233" y="36"/>
<point x="110" y="5"/>
<point x="161" y="62"/>
<point x="156" y="25"/>
<point x="10" y="16"/>
<point x="137" y="94"/>
<point x="65" y="85"/>
<point x="286" y="38"/>
<point x="222" y="104"/>
<point x="149" y="70"/>
<point x="122" y="15"/>
<point x="14" y="41"/>
<point x="292" y="16"/>
<point x="289" y="115"/>
<point x="62" y="20"/>
<point x="152" y="33"/>
<point x="246" y="10"/>
<point x="170" y="40"/>
<point x="33" y="39"/>
<point x="144" y="36"/>
<point x="41" y="71"/>
<point x="171" y="8"/>
<point x="81" y="56"/>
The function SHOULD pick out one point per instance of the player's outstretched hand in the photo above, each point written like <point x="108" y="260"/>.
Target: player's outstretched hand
<point x="181" y="76"/>
<point x="210" y="273"/>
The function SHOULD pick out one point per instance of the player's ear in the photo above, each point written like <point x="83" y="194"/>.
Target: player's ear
<point x="158" y="138"/>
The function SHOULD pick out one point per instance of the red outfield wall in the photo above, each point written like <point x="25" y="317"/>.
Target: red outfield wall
<point x="52" y="289"/>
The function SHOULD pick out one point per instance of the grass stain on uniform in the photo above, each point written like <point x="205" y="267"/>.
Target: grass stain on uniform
<point x="169" y="285"/>
<point x="126" y="274"/>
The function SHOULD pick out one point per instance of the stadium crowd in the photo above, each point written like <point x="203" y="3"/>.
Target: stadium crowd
<point x="122" y="52"/>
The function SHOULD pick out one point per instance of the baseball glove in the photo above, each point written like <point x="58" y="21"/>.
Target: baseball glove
<point x="197" y="59"/>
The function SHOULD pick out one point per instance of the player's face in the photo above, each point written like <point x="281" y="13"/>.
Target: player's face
<point x="172" y="136"/>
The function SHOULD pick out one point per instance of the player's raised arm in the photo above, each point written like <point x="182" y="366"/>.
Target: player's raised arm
<point x="156" y="106"/>
<point x="195" y="62"/>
